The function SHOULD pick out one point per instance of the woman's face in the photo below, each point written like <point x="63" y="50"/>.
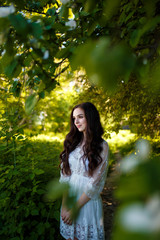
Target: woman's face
<point x="80" y="119"/>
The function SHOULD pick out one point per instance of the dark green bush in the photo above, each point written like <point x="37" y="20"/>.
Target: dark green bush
<point x="24" y="214"/>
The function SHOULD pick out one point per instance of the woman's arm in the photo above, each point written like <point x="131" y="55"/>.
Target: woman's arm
<point x="66" y="213"/>
<point x="96" y="183"/>
<point x="82" y="200"/>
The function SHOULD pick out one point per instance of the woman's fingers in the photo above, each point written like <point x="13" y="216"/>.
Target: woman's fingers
<point x="69" y="222"/>
<point x="63" y="213"/>
<point x="66" y="217"/>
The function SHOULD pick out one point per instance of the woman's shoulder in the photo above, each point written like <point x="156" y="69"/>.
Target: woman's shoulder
<point x="104" y="143"/>
<point x="105" y="147"/>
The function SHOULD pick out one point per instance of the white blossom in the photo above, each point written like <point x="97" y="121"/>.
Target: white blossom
<point x="129" y="163"/>
<point x="71" y="23"/>
<point x="4" y="51"/>
<point x="64" y="1"/>
<point x="140" y="217"/>
<point x="5" y="11"/>
<point x="143" y="149"/>
<point x="46" y="54"/>
<point x="153" y="203"/>
<point x="135" y="218"/>
<point x="15" y="80"/>
<point x="153" y="206"/>
<point x="145" y="61"/>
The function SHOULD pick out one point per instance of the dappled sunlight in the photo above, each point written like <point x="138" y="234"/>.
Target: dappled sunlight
<point x="121" y="138"/>
<point x="116" y="140"/>
<point x="48" y="138"/>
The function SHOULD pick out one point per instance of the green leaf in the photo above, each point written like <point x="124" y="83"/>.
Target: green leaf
<point x="17" y="71"/>
<point x="51" y="11"/>
<point x="27" y="60"/>
<point x="55" y="190"/>
<point x="38" y="171"/>
<point x="56" y="215"/>
<point x="20" y="137"/>
<point x="15" y="238"/>
<point x="138" y="33"/>
<point x="64" y="12"/>
<point x="42" y="94"/>
<point x="64" y="52"/>
<point x="41" y="191"/>
<point x="7" y="58"/>
<point x="40" y="228"/>
<point x="19" y="23"/>
<point x="35" y="212"/>
<point x="31" y="176"/>
<point x="10" y="68"/>
<point x="30" y="103"/>
<point x="4" y="24"/>
<point x="99" y="62"/>
<point x="36" y="30"/>
<point x="111" y="7"/>
<point x="47" y="225"/>
<point x="90" y="5"/>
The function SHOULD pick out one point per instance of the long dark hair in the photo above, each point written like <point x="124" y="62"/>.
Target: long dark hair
<point x="92" y="147"/>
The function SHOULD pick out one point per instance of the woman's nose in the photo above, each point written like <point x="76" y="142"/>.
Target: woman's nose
<point x="76" y="121"/>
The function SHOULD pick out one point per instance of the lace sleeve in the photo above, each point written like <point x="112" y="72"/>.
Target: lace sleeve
<point x="96" y="182"/>
<point x="63" y="178"/>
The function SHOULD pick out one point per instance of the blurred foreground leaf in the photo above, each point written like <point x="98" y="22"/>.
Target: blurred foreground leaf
<point x="105" y="65"/>
<point x="138" y="216"/>
<point x="30" y="103"/>
<point x="55" y="190"/>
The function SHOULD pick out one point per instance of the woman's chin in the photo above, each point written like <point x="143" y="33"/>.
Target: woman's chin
<point x="80" y="130"/>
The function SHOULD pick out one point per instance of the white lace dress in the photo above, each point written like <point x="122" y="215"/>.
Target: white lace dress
<point x="89" y="224"/>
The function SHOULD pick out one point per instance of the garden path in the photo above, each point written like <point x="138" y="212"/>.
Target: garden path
<point x="109" y="202"/>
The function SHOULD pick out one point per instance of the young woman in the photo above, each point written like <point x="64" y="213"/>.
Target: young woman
<point x="84" y="162"/>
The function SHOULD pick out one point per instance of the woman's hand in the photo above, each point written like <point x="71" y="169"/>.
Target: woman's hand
<point x="66" y="216"/>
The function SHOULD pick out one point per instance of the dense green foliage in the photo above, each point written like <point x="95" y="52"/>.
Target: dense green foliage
<point x="132" y="106"/>
<point x="120" y="38"/>
<point x="24" y="213"/>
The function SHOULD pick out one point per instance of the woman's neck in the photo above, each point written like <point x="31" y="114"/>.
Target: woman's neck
<point x="83" y="140"/>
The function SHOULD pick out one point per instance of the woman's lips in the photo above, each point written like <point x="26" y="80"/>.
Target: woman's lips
<point x="78" y="126"/>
